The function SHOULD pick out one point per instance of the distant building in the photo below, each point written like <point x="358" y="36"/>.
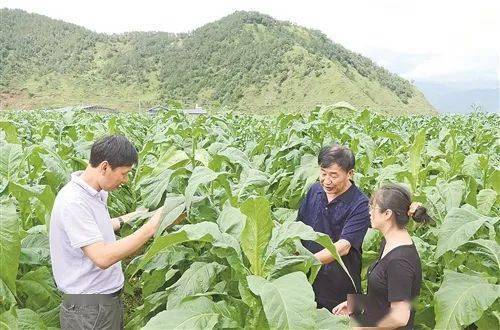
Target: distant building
<point x="90" y="108"/>
<point x="197" y="111"/>
<point x="98" y="109"/>
<point x="154" y="110"/>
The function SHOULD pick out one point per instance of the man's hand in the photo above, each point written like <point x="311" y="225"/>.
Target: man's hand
<point x="134" y="215"/>
<point x="155" y="221"/>
<point x="325" y="257"/>
<point x="128" y="217"/>
<point x="104" y="254"/>
<point x="340" y="309"/>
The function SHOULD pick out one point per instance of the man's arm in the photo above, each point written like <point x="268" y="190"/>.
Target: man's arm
<point x="126" y="218"/>
<point x="353" y="232"/>
<point x="325" y="257"/>
<point x="104" y="255"/>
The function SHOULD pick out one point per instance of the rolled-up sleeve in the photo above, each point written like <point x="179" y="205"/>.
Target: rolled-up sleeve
<point x="80" y="225"/>
<point x="356" y="225"/>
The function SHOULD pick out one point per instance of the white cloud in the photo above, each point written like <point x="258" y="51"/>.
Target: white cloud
<point x="451" y="38"/>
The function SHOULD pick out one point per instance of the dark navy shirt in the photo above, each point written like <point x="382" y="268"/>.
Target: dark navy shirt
<point x="345" y="217"/>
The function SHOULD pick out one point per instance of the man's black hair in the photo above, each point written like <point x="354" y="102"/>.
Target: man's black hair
<point x="117" y="150"/>
<point x="336" y="154"/>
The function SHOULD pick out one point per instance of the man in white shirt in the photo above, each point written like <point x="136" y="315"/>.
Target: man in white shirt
<point x="84" y="251"/>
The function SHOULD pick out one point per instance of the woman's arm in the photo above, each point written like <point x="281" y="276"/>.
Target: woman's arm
<point x="398" y="316"/>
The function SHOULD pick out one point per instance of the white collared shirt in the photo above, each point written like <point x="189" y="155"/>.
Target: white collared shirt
<point x="79" y="218"/>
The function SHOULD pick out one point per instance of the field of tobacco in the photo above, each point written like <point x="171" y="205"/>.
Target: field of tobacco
<point x="236" y="261"/>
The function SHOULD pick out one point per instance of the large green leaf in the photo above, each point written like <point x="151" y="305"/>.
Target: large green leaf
<point x="235" y="156"/>
<point x="154" y="187"/>
<point x="307" y="171"/>
<point x="462" y="299"/>
<point x="287" y="232"/>
<point x="202" y="156"/>
<point x="7" y="299"/>
<point x="283" y="215"/>
<point x="35" y="247"/>
<point x="10" y="243"/>
<point x="327" y="243"/>
<point x="325" y="320"/>
<point x="11" y="158"/>
<point x="444" y="196"/>
<point x="371" y="239"/>
<point x="494" y="180"/>
<point x="257" y="232"/>
<point x="233" y="312"/>
<point x="201" y="175"/>
<point x="203" y="231"/>
<point x="485" y="200"/>
<point x="39" y="289"/>
<point x="416" y="156"/>
<point x="231" y="221"/>
<point x="57" y="171"/>
<point x="471" y="166"/>
<point x="283" y="265"/>
<point x="458" y="227"/>
<point x="10" y="130"/>
<point x="172" y="158"/>
<point x="453" y="193"/>
<point x="190" y="316"/>
<point x="224" y="245"/>
<point x="489" y="320"/>
<point x="290" y="231"/>
<point x="250" y="178"/>
<point x="51" y="317"/>
<point x="288" y="301"/>
<point x="29" y="320"/>
<point x="198" y="278"/>
<point x="489" y="249"/>
<point x="173" y="209"/>
<point x="8" y="319"/>
<point x="24" y="192"/>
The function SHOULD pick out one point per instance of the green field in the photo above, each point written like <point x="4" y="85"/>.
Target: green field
<point x="237" y="261"/>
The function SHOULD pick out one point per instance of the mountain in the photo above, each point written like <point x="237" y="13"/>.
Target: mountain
<point x="245" y="61"/>
<point x="452" y="99"/>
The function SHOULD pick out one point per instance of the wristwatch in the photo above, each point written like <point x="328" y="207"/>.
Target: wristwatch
<point x="120" y="220"/>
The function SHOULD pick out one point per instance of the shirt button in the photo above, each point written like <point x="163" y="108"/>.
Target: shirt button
<point x="326" y="208"/>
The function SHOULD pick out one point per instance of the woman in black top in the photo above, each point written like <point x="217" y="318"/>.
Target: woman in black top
<point x="394" y="279"/>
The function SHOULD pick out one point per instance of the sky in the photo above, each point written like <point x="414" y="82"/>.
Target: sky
<point x="440" y="41"/>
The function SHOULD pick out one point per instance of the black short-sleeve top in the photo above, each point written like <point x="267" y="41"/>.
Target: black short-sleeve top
<point x="395" y="277"/>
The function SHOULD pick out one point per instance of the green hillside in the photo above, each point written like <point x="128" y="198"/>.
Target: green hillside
<point x="245" y="61"/>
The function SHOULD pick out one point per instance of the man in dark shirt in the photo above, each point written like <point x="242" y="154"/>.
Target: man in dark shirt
<point x="336" y="207"/>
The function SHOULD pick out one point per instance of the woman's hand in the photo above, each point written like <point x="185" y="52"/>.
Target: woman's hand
<point x="340" y="309"/>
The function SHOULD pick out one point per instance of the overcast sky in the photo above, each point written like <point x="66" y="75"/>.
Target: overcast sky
<point x="440" y="41"/>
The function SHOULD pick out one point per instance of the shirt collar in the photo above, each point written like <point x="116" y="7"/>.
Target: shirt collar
<point x="75" y="177"/>
<point x="346" y="196"/>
